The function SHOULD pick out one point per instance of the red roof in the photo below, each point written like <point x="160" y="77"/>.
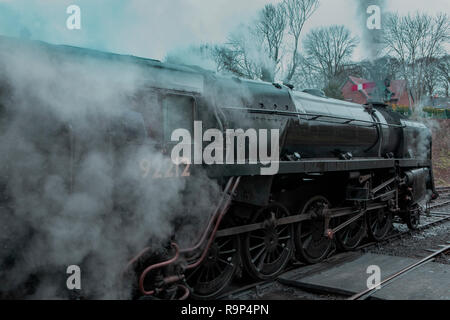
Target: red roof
<point x="398" y="87"/>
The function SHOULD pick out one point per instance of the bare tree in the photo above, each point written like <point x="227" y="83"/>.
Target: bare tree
<point x="444" y="74"/>
<point x="297" y="13"/>
<point x="262" y="49"/>
<point x="416" y="41"/>
<point x="243" y="55"/>
<point x="307" y="76"/>
<point x="271" y="25"/>
<point x="229" y="60"/>
<point x="380" y="68"/>
<point x="254" y="51"/>
<point x="328" y="51"/>
<point x="431" y="77"/>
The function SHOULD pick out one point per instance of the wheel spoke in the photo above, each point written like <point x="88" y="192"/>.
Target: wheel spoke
<point x="224" y="261"/>
<point x="280" y="246"/>
<point x="306" y="234"/>
<point x="224" y="243"/>
<point x="307" y="242"/>
<point x="256" y="237"/>
<point x="201" y="273"/>
<point x="227" y="251"/>
<point x="378" y="224"/>
<point x="263" y="256"/>
<point x="373" y="224"/>
<point x="282" y="230"/>
<point x="262" y="260"/>
<point x="377" y="228"/>
<point x="213" y="275"/>
<point x="270" y="257"/>
<point x="216" y="268"/>
<point x="207" y="273"/>
<point x="259" y="254"/>
<point x="346" y="234"/>
<point x="192" y="273"/>
<point x="257" y="246"/>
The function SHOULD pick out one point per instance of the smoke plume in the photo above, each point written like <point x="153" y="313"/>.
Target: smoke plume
<point x="72" y="198"/>
<point x="372" y="39"/>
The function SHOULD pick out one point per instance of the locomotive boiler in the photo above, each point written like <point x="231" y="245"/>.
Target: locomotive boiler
<point x="344" y="172"/>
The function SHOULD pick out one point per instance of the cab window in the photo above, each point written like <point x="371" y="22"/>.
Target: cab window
<point x="178" y="113"/>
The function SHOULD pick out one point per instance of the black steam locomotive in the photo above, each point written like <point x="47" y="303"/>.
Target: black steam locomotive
<point x="344" y="172"/>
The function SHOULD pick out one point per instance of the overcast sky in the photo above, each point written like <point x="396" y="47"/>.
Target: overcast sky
<point x="151" y="28"/>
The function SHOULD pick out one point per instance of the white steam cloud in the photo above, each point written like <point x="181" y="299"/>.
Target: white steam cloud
<point x="80" y="199"/>
<point x="371" y="38"/>
<point x="147" y="28"/>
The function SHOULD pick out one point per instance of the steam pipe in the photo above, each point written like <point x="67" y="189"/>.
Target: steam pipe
<point x="200" y="241"/>
<point x="219" y="219"/>
<point x="221" y="213"/>
<point x="208" y="228"/>
<point x="173" y="279"/>
<point x="186" y="292"/>
<point x="157" y="266"/>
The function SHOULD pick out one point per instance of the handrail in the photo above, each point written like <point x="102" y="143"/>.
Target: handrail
<point x="315" y="117"/>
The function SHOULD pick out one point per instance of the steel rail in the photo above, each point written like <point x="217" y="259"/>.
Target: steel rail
<point x="438" y="205"/>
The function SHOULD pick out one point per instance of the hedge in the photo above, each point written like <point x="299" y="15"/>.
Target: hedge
<point x="429" y="112"/>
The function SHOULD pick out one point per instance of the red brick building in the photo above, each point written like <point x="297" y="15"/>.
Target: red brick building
<point x="362" y="93"/>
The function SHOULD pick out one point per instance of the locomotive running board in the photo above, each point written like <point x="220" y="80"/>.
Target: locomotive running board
<point x="316" y="166"/>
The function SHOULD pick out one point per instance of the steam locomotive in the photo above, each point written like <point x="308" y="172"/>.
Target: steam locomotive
<point x="345" y="172"/>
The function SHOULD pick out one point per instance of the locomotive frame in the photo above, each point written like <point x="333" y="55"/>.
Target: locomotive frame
<point x="372" y="190"/>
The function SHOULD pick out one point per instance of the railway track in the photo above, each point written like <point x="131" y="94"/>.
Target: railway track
<point x="436" y="217"/>
<point x="443" y="189"/>
<point x="440" y="204"/>
<point x="444" y="192"/>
